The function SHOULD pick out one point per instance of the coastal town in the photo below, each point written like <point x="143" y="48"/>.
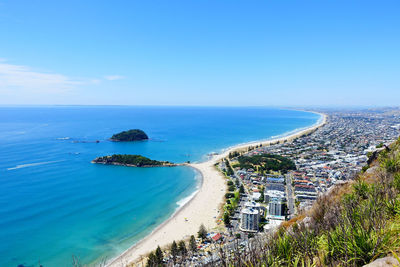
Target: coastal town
<point x="199" y="133"/>
<point x="261" y="196"/>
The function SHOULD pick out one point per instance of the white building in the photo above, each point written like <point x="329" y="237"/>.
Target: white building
<point x="249" y="220"/>
<point x="276" y="203"/>
<point x="256" y="196"/>
<point x="269" y="194"/>
<point x="253" y="205"/>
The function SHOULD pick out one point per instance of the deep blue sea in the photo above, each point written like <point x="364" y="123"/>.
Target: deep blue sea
<point x="55" y="204"/>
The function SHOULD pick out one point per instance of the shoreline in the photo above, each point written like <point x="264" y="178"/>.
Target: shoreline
<point x="203" y="207"/>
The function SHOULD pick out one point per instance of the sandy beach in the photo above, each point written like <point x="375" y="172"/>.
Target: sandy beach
<point x="203" y="208"/>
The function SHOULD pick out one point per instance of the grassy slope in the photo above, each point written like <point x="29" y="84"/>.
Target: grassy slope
<point x="354" y="224"/>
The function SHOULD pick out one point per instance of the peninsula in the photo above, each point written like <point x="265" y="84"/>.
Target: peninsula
<point x="131" y="161"/>
<point x="128" y="136"/>
<point x="203" y="208"/>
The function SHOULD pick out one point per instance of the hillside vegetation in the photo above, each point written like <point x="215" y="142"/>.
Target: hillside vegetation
<point x="131" y="135"/>
<point x="130" y="160"/>
<point x="266" y="162"/>
<point x="353" y="225"/>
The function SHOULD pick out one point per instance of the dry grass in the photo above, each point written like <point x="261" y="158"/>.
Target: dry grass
<point x="287" y="224"/>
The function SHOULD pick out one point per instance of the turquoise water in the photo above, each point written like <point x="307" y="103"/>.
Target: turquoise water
<point x="55" y="204"/>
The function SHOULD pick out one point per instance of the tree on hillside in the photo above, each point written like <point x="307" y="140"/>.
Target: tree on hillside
<point x="202" y="233"/>
<point x="192" y="244"/>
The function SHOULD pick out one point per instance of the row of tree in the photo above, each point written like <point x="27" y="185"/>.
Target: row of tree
<point x="229" y="170"/>
<point x="267" y="162"/>
<point x="156" y="258"/>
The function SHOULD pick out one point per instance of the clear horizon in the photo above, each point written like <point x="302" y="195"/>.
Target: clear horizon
<point x="209" y="53"/>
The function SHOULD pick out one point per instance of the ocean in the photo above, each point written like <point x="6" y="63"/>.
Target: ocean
<point x="55" y="205"/>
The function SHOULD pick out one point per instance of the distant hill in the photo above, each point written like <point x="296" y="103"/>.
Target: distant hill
<point x="131" y="135"/>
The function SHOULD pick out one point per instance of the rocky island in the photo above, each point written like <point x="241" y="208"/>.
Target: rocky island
<point x="131" y="161"/>
<point x="128" y="136"/>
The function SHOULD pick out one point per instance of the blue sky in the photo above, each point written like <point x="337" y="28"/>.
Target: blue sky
<point x="221" y="53"/>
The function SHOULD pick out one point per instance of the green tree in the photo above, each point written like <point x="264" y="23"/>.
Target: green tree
<point x="262" y="194"/>
<point x="229" y="195"/>
<point x="182" y="248"/>
<point x="227" y="220"/>
<point x="241" y="189"/>
<point x="131" y="135"/>
<point x="152" y="260"/>
<point x="159" y="255"/>
<point x="174" y="251"/>
<point x="202" y="233"/>
<point x="230" y="171"/>
<point x="227" y="163"/>
<point x="379" y="145"/>
<point x="192" y="244"/>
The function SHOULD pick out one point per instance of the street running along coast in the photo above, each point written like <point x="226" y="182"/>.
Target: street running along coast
<point x="203" y="208"/>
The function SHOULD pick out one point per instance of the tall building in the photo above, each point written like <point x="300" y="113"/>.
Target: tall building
<point x="250" y="219"/>
<point x="276" y="203"/>
<point x="277" y="207"/>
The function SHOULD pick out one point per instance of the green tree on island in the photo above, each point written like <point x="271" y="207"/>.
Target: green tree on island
<point x="131" y="135"/>
<point x="136" y="160"/>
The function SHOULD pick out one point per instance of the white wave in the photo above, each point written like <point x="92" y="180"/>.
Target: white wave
<point x="63" y="138"/>
<point x="185" y="200"/>
<point x="32" y="165"/>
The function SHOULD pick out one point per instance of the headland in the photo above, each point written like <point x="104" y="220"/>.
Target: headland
<point x="203" y="208"/>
